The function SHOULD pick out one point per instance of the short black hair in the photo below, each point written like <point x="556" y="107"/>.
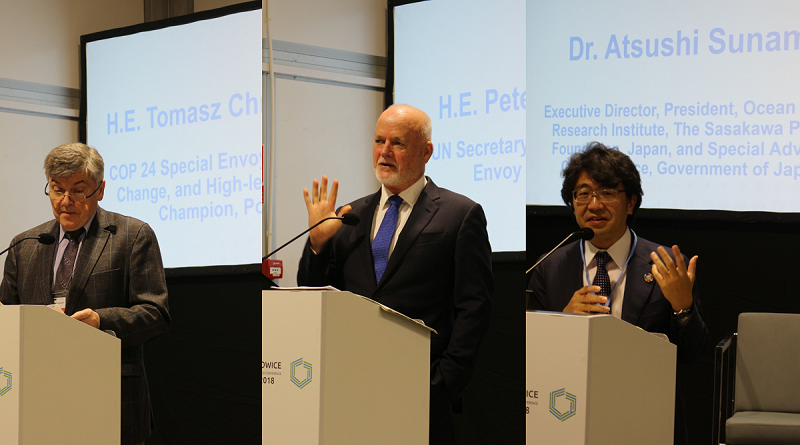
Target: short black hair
<point x="607" y="166"/>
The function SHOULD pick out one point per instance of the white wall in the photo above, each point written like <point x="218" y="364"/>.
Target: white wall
<point x="351" y="25"/>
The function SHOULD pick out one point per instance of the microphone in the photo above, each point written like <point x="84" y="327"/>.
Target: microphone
<point x="349" y="219"/>
<point x="585" y="234"/>
<point x="44" y="238"/>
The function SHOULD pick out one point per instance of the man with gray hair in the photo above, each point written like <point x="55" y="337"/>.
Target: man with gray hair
<point x="419" y="249"/>
<point x="105" y="270"/>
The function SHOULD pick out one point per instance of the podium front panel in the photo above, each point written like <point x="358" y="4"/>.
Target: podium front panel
<point x="9" y="374"/>
<point x="290" y="367"/>
<point x="338" y="368"/>
<point x="595" y="380"/>
<point x="557" y="357"/>
<point x="59" y="361"/>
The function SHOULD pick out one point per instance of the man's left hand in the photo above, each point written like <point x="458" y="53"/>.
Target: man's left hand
<point x="675" y="279"/>
<point x="89" y="317"/>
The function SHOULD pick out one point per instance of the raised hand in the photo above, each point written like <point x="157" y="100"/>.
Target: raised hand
<point x="675" y="279"/>
<point x="321" y="205"/>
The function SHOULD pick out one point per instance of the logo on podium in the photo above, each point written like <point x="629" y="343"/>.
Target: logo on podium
<point x="7" y="384"/>
<point x="563" y="414"/>
<point x="297" y="370"/>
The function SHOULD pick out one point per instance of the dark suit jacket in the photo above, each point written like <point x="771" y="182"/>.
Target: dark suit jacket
<point x="118" y="274"/>
<point x="440" y="271"/>
<point x="556" y="279"/>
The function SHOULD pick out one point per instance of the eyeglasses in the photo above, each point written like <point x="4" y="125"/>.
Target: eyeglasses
<point x="583" y="196"/>
<point x="56" y="195"/>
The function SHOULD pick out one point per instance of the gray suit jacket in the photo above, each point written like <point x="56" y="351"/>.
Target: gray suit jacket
<point x="118" y="274"/>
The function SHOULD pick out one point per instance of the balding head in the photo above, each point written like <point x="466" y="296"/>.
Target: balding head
<point x="402" y="146"/>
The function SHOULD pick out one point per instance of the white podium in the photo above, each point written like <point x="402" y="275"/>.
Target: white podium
<point x="59" y="380"/>
<point x="597" y="380"/>
<point x="338" y="368"/>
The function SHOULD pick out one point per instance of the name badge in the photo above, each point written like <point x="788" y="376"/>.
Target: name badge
<point x="60" y="304"/>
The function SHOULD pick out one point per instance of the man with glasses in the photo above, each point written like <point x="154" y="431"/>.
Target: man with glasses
<point x="617" y="272"/>
<point x="105" y="270"/>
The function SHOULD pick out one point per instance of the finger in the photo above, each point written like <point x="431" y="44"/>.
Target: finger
<point x="670" y="265"/>
<point x="692" y="270"/>
<point x="585" y="290"/>
<point x="315" y="190"/>
<point x="657" y="273"/>
<point x="591" y="296"/>
<point x="597" y="308"/>
<point x="306" y="198"/>
<point x="345" y="209"/>
<point x="334" y="192"/>
<point x="80" y="315"/>
<point x="658" y="265"/>
<point x="680" y="264"/>
<point x="323" y="193"/>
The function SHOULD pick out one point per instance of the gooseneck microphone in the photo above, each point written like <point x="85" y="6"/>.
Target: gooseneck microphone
<point x="585" y="234"/>
<point x="44" y="238"/>
<point x="350" y="219"/>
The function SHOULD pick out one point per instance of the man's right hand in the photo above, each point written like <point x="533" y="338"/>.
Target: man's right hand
<point x="585" y="302"/>
<point x="321" y="205"/>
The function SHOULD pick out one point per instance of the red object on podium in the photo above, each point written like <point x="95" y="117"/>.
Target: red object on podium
<point x="272" y="269"/>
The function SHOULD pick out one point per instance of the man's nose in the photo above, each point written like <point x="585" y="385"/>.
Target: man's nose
<point x="386" y="149"/>
<point x="594" y="202"/>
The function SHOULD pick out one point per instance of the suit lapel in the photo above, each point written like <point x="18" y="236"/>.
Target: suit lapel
<point x="45" y="259"/>
<point x="422" y="213"/>
<point x="93" y="245"/>
<point x="637" y="291"/>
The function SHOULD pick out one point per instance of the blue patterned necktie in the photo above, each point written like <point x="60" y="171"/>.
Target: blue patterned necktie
<point x="382" y="241"/>
<point x="601" y="277"/>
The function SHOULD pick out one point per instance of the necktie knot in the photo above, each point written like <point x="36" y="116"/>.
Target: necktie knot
<point x="395" y="201"/>
<point x="602" y="258"/>
<point x="75" y="235"/>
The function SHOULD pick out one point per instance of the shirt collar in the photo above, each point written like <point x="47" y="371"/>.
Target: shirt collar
<point x="409" y="195"/>
<point x="618" y="251"/>
<point x="63" y="232"/>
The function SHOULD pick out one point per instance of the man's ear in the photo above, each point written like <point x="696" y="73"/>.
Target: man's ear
<point x="428" y="151"/>
<point x="101" y="191"/>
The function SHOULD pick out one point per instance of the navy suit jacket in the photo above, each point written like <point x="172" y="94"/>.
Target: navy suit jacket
<point x="440" y="271"/>
<point x="556" y="279"/>
<point x="118" y="274"/>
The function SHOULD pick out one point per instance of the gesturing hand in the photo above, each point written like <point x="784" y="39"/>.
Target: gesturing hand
<point x="321" y="205"/>
<point x="585" y="302"/>
<point x="89" y="317"/>
<point x="675" y="279"/>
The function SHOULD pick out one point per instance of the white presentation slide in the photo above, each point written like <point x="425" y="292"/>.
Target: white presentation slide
<point x="176" y="115"/>
<point x="703" y="96"/>
<point x="463" y="63"/>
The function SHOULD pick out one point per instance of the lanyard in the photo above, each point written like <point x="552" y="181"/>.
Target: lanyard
<point x="624" y="268"/>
